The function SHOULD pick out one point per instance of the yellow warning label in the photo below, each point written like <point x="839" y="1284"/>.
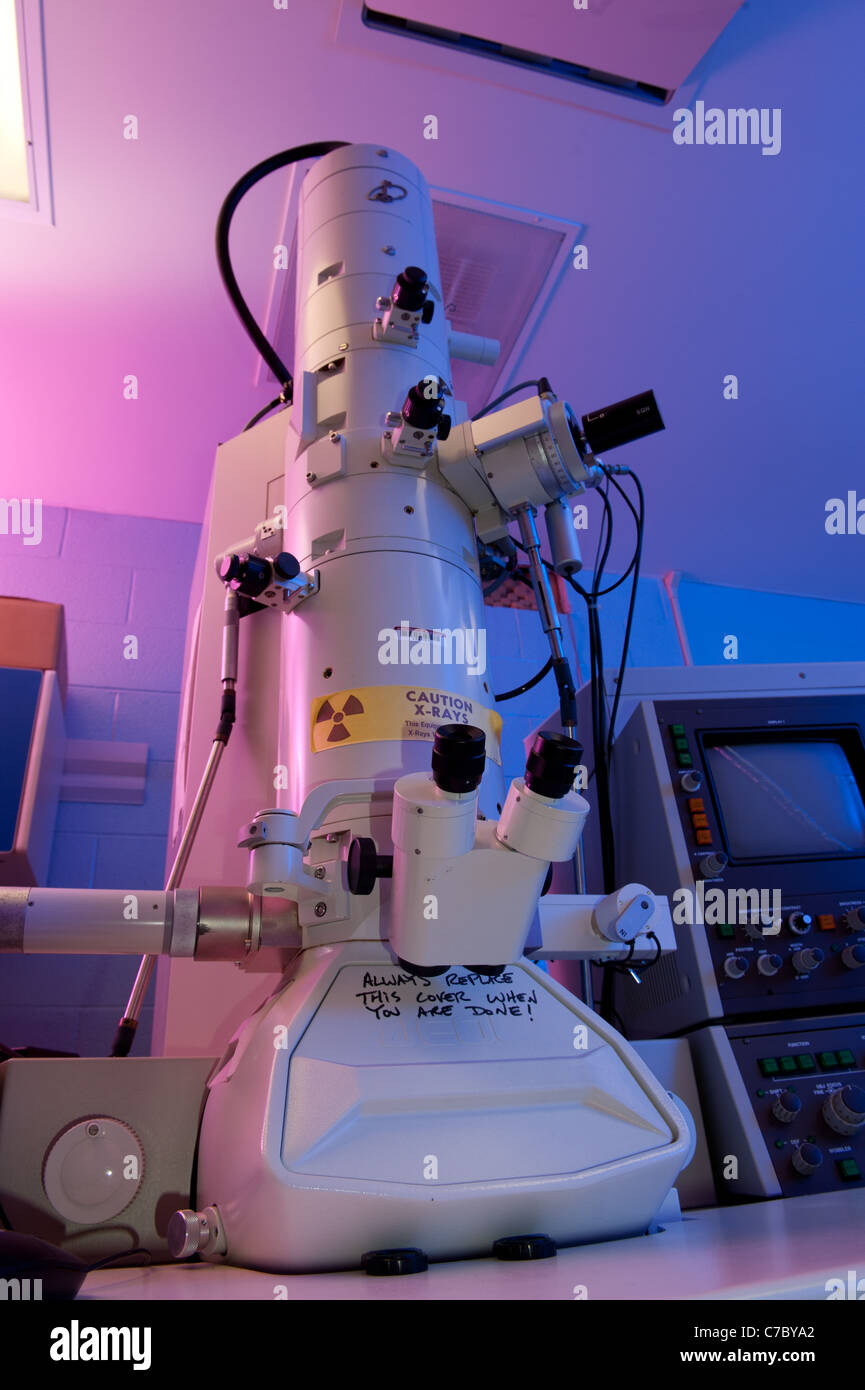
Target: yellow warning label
<point x="375" y="712"/>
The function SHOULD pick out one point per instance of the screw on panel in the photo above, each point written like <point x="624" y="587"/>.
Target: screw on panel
<point x="389" y="250"/>
<point x="311" y="477"/>
<point x="320" y="909"/>
<point x="335" y="436"/>
<point x="320" y="871"/>
<point x="343" y="346"/>
<point x="409" y="510"/>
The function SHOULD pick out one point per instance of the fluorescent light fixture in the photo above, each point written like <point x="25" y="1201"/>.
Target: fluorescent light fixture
<point x="14" y="178"/>
<point x="25" y="175"/>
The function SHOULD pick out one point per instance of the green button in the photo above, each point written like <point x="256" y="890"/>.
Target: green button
<point x="788" y="1064"/>
<point x="806" y="1061"/>
<point x="677" y="730"/>
<point x="684" y="760"/>
<point x="681" y="743"/>
<point x="849" y="1169"/>
<point x="769" y="1066"/>
<point x="827" y="1060"/>
<point x="846" y="1058"/>
<point x="779" y="1143"/>
<point x="726" y="931"/>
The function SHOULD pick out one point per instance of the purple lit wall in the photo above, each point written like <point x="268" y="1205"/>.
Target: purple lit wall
<point x="702" y="262"/>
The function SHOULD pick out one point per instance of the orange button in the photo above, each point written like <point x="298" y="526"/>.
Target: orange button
<point x="700" y="822"/>
<point x="704" y="837"/>
<point x="826" y="922"/>
<point x="695" y="803"/>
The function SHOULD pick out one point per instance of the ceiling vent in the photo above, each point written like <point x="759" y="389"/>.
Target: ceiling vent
<point x="499" y="266"/>
<point x="632" y="47"/>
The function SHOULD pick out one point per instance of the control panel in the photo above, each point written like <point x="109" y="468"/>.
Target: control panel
<point x="785" y="929"/>
<point x="789" y="1105"/>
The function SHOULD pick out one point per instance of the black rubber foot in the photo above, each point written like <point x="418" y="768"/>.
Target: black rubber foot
<point x="492" y="970"/>
<point x="426" y="972"/>
<point x="389" y="1262"/>
<point x="536" y="1247"/>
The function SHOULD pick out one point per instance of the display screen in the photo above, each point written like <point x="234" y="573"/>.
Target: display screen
<point x="786" y="797"/>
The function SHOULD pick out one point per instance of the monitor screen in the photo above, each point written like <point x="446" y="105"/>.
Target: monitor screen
<point x="785" y="797"/>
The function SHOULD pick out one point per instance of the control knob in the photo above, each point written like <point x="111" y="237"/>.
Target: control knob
<point x="853" y="956"/>
<point x="735" y="967"/>
<point x="854" y="920"/>
<point x="807" y="1159"/>
<point x="769" y="964"/>
<point x="807" y="959"/>
<point x="786" y="1107"/>
<point x="692" y="780"/>
<point x="711" y="865"/>
<point x="800" y="923"/>
<point x="844" y="1110"/>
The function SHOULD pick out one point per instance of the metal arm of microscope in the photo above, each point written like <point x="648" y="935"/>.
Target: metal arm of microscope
<point x="230" y="924"/>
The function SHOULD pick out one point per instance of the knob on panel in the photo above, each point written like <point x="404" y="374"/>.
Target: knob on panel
<point x="93" y="1170"/>
<point x="800" y="923"/>
<point x="854" y="920"/>
<point x="769" y="964"/>
<point x="807" y="1159"/>
<point x="735" y="967"/>
<point x="844" y="1110"/>
<point x="807" y="959"/>
<point x="711" y="865"/>
<point x="853" y="956"/>
<point x="786" y="1107"/>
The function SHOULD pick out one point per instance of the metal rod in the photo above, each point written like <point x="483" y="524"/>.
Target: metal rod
<point x="231" y="621"/>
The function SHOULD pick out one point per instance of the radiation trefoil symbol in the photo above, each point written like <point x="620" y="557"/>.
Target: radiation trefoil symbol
<point x="339" y="732"/>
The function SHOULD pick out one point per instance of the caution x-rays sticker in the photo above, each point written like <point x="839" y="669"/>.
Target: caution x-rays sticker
<point x="374" y="712"/>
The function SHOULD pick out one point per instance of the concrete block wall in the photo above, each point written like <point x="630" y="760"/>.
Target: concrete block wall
<point x="117" y="577"/>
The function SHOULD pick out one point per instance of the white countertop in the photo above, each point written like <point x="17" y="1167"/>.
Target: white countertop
<point x="782" y="1249"/>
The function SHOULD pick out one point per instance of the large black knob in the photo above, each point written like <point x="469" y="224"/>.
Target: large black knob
<point x="423" y="407"/>
<point x="247" y="574"/>
<point x="458" y="757"/>
<point x="410" y="290"/>
<point x="365" y="865"/>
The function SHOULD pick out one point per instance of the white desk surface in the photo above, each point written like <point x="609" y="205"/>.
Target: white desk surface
<point x="782" y="1249"/>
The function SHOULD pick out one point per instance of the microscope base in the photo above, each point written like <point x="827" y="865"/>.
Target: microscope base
<point x="362" y="1108"/>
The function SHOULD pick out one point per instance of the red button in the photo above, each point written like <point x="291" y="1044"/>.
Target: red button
<point x="826" y="922"/>
<point x="700" y="822"/>
<point x="695" y="803"/>
<point x="704" y="837"/>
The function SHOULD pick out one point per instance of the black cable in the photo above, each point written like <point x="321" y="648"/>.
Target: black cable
<point x="631" y="607"/>
<point x="521" y="689"/>
<point x="279" y="400"/>
<point x="539" y="385"/>
<point x="226" y="213"/>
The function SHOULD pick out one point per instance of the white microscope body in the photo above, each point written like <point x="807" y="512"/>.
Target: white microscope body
<point x="415" y="1081"/>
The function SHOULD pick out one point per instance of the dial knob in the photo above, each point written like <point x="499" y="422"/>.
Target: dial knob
<point x="93" y="1170"/>
<point x="800" y="922"/>
<point x="786" y="1107"/>
<point x="844" y="1110"/>
<point x="761" y="926"/>
<point x="807" y="959"/>
<point x="807" y="1159"/>
<point x="711" y="865"/>
<point x="735" y="967"/>
<point x="692" y="780"/>
<point x="854" y="920"/>
<point x="769" y="965"/>
<point x="853" y="956"/>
